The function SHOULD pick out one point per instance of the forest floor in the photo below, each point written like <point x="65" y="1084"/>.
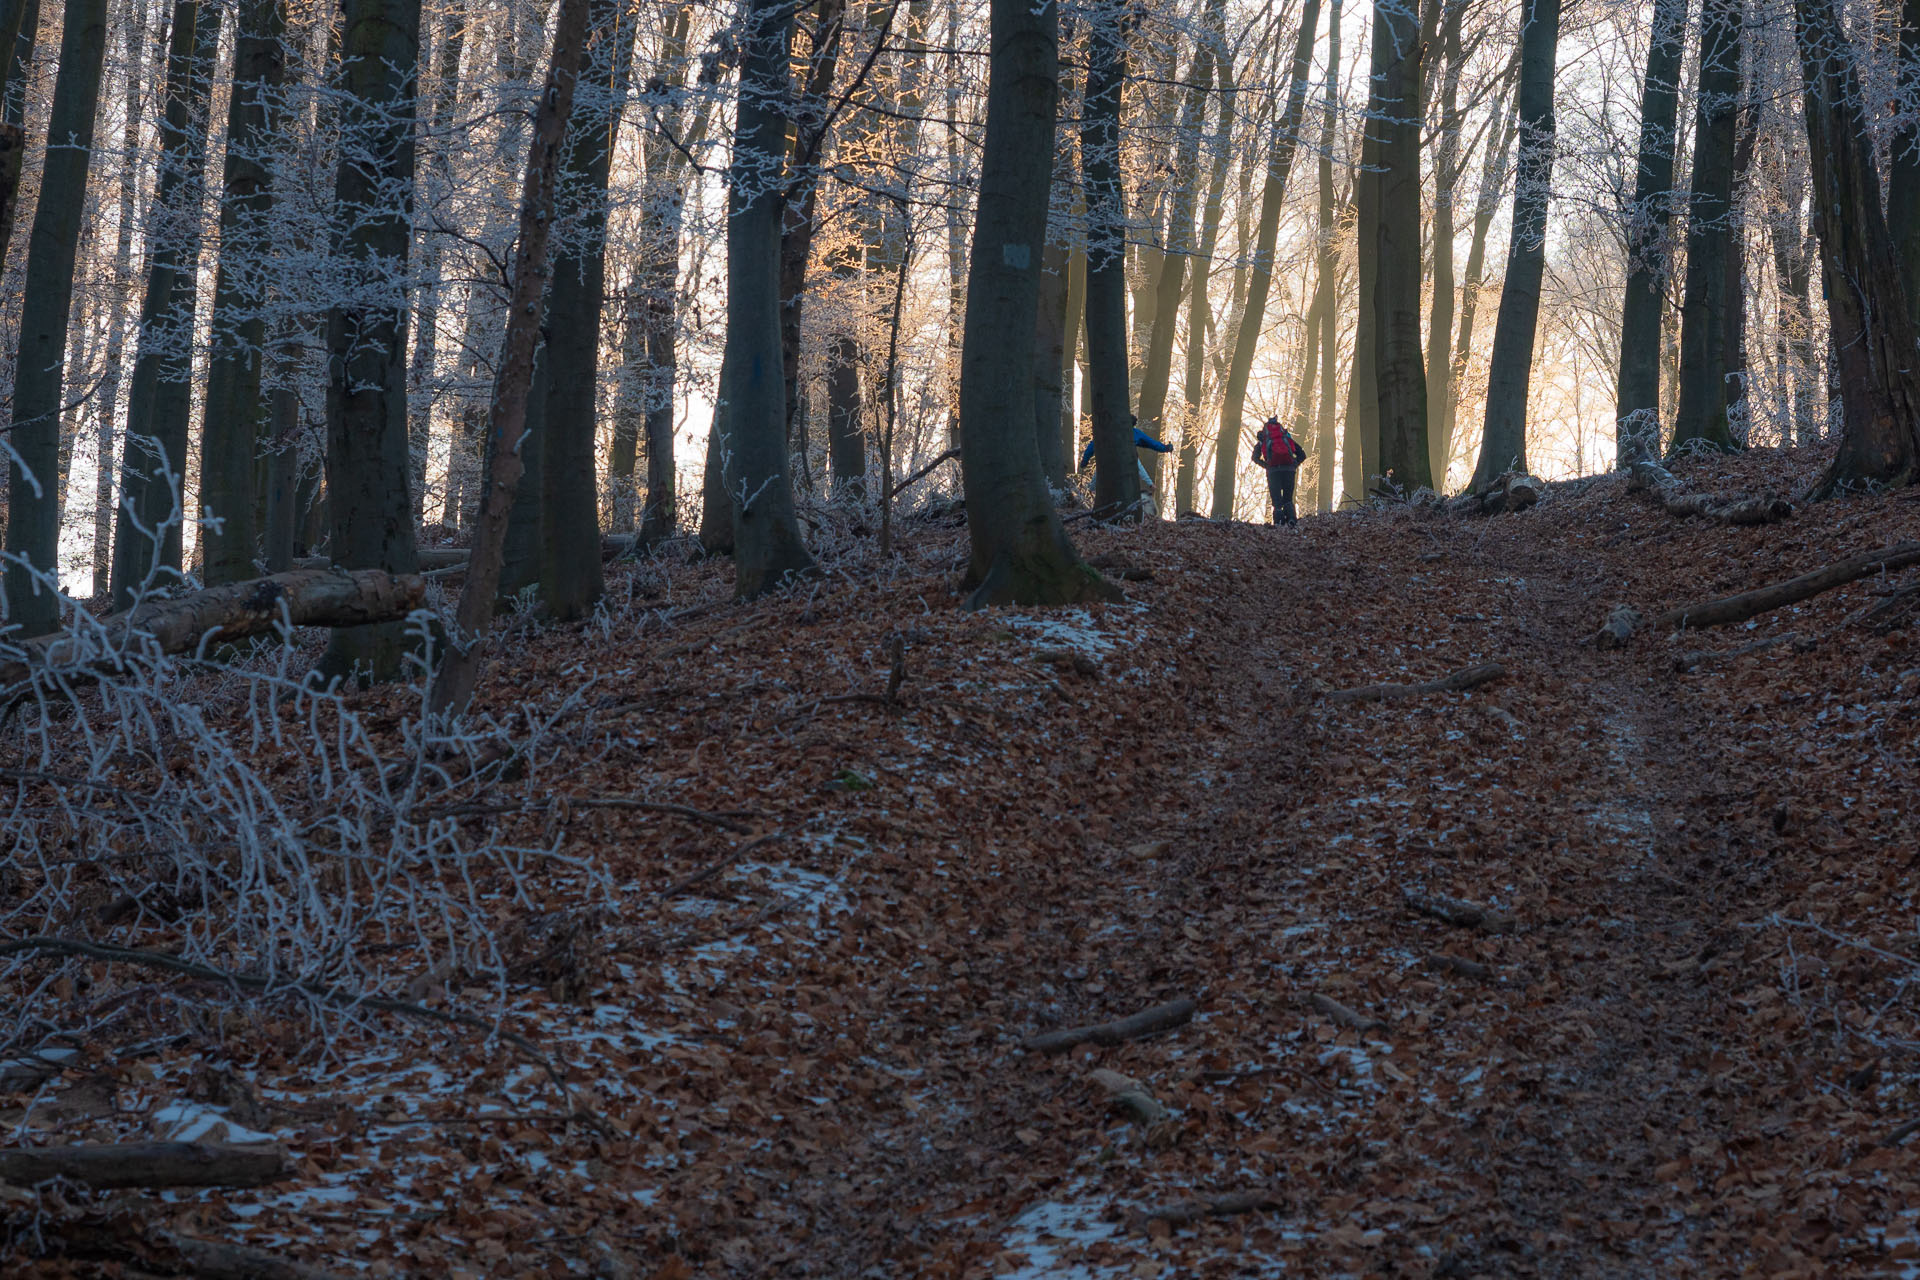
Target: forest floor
<point x="797" y="1050"/>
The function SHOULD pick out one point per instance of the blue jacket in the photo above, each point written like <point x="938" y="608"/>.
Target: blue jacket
<point x="1141" y="440"/>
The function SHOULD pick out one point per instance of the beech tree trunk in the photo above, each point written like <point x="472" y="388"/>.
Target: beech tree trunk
<point x="1873" y="330"/>
<point x="767" y="548"/>
<point x="1706" y="306"/>
<point x="1649" y="253"/>
<point x="459" y="672"/>
<point x="1284" y="145"/>
<point x="1903" y="162"/>
<point x="368" y="505"/>
<point x="570" y="576"/>
<point x="1446" y="180"/>
<point x="1020" y="550"/>
<point x="33" y="512"/>
<point x="1116" y="482"/>
<point x="18" y="18"/>
<point x="1199" y="310"/>
<point x="1362" y="443"/>
<point x="1049" y="346"/>
<point x="1400" y="369"/>
<point x="230" y="437"/>
<point x="1504" y="446"/>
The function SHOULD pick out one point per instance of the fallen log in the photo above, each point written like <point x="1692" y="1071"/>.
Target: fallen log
<point x="1508" y="492"/>
<point x="1162" y="1017"/>
<point x="1751" y="604"/>
<point x="1659" y="484"/>
<point x="145" y="1164"/>
<point x="302" y="598"/>
<point x="1220" y="1204"/>
<point x="1459" y="912"/>
<point x="220" y="1260"/>
<point x="1618" y="628"/>
<point x="1455" y="682"/>
<point x="1712" y="657"/>
<point x="1346" y="1017"/>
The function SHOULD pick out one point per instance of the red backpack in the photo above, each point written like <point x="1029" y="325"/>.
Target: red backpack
<point x="1276" y="447"/>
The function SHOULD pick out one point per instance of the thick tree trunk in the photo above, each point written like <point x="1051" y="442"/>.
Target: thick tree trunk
<point x="459" y="672"/>
<point x="1400" y="369"/>
<point x="230" y="437"/>
<point x="1020" y="550"/>
<point x="1704" y="309"/>
<point x="767" y="547"/>
<point x="1284" y="145"/>
<point x="570" y="577"/>
<point x="1873" y="332"/>
<point x="367" y="465"/>
<point x="1116" y="484"/>
<point x="33" y="514"/>
<point x="1362" y="442"/>
<point x="1504" y="447"/>
<point x="1649" y="253"/>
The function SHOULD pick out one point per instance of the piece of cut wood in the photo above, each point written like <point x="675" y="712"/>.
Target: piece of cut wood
<point x="1219" y="1204"/>
<point x="303" y="598"/>
<point x="1161" y="1017"/>
<point x="1618" y="628"/>
<point x="1130" y="1096"/>
<point x="1454" y="682"/>
<point x="1751" y="604"/>
<point x="1460" y="913"/>
<point x="1344" y="1016"/>
<point x="145" y="1164"/>
<point x="1660" y="484"/>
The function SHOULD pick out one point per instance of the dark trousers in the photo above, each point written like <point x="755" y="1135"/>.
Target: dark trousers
<point x="1280" y="485"/>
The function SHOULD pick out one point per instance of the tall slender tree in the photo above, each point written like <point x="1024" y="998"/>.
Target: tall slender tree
<point x="1116" y="485"/>
<point x="767" y="546"/>
<point x="1705" y="308"/>
<point x="1399" y="367"/>
<point x="148" y="530"/>
<point x="1020" y="550"/>
<point x="1649" y="252"/>
<point x="367" y="463"/>
<point x="18" y="19"/>
<point x="230" y="439"/>
<point x="1510" y="371"/>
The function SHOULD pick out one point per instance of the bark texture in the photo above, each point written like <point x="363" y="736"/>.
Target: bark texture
<point x="1649" y="253"/>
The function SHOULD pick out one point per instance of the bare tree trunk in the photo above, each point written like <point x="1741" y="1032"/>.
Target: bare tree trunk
<point x="1020" y="550"/>
<point x="1702" y="412"/>
<point x="1180" y="251"/>
<point x="230" y="436"/>
<point x="19" y="20"/>
<point x="1504" y="446"/>
<point x="459" y="673"/>
<point x="426" y="338"/>
<point x="1116" y="484"/>
<point x="1493" y="178"/>
<point x="1903" y="162"/>
<point x="367" y="463"/>
<point x="154" y="451"/>
<point x="570" y="577"/>
<point x="1649" y="252"/>
<point x="1873" y="333"/>
<point x="1400" y="369"/>
<point x="799" y="209"/>
<point x="1050" y="347"/>
<point x="1362" y="443"/>
<point x="1446" y="180"/>
<point x="767" y="544"/>
<point x="1284" y="145"/>
<point x="1199" y="311"/>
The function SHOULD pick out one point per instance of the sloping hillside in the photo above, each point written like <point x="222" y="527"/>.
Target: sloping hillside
<point x="810" y="872"/>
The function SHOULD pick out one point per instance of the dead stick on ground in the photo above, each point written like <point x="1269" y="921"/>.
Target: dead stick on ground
<point x="1901" y="1134"/>
<point x="1710" y="657"/>
<point x="1341" y="1014"/>
<point x="708" y="872"/>
<point x="1460" y="965"/>
<point x="1455" y="682"/>
<point x="1749" y="604"/>
<point x="145" y="1164"/>
<point x="1218" y="1205"/>
<point x="1162" y="1017"/>
<point x="726" y="819"/>
<point x="330" y="996"/>
<point x="1460" y="913"/>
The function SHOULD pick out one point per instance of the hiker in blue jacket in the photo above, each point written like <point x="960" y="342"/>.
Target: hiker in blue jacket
<point x="1141" y="440"/>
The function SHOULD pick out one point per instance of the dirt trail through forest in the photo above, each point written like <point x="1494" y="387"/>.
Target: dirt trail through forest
<point x="795" y="1043"/>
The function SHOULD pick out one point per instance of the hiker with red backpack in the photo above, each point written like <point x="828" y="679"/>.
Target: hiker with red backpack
<point x="1275" y="449"/>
